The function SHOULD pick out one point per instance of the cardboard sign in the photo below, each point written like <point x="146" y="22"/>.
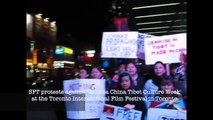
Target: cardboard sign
<point x="123" y="44"/>
<point x="87" y="97"/>
<point x="111" y="112"/>
<point x="165" y="114"/>
<point x="119" y="44"/>
<point x="164" y="48"/>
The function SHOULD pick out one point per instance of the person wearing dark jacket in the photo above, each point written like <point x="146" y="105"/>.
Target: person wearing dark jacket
<point x="138" y="80"/>
<point x="125" y="98"/>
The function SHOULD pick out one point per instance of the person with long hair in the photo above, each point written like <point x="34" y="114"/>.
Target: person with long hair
<point x="153" y="84"/>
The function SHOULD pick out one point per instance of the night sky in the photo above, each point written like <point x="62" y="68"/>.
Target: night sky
<point x="85" y="20"/>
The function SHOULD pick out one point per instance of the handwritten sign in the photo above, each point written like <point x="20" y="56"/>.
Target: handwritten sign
<point x="165" y="114"/>
<point x="87" y="97"/>
<point x="119" y="44"/>
<point x="164" y="48"/>
<point x="111" y="112"/>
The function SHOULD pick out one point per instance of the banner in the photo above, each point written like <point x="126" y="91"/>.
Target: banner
<point x="111" y="112"/>
<point x="164" y="48"/>
<point x="165" y="114"/>
<point x="86" y="98"/>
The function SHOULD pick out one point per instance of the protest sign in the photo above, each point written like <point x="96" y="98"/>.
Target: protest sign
<point x="87" y="97"/>
<point x="111" y="112"/>
<point x="165" y="114"/>
<point x="119" y="44"/>
<point x="123" y="44"/>
<point x="164" y="48"/>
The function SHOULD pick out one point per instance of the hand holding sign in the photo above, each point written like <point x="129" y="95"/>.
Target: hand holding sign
<point x="171" y="102"/>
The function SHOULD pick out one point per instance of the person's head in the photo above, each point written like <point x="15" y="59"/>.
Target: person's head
<point x="84" y="73"/>
<point x="125" y="81"/>
<point x="131" y="68"/>
<point x="167" y="85"/>
<point x="96" y="73"/>
<point x="122" y="68"/>
<point x="159" y="68"/>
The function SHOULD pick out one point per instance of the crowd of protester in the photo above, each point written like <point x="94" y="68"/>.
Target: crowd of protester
<point x="127" y="76"/>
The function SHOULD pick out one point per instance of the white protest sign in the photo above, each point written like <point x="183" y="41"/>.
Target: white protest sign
<point x="87" y="97"/>
<point x="119" y="44"/>
<point x="165" y="114"/>
<point x="164" y="48"/>
<point x="140" y="44"/>
<point x="111" y="112"/>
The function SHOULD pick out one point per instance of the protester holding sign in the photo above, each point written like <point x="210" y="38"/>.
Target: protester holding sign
<point x="152" y="85"/>
<point x="169" y="98"/>
<point x="138" y="82"/>
<point x="84" y="73"/>
<point x="124" y="96"/>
